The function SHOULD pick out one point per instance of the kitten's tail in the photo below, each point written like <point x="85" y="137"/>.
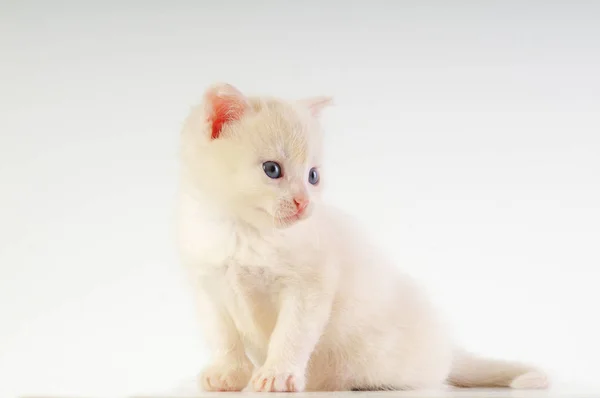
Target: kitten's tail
<point x="469" y="370"/>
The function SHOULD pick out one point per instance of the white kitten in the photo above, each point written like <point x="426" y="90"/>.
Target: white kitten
<point x="292" y="295"/>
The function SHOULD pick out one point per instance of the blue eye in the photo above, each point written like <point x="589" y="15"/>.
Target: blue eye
<point x="272" y="169"/>
<point x="313" y="176"/>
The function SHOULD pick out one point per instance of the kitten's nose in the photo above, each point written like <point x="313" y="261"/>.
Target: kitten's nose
<point x="301" y="204"/>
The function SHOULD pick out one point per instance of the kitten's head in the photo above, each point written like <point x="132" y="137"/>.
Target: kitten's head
<point x="258" y="158"/>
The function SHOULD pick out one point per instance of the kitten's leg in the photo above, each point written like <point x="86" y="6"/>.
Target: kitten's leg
<point x="229" y="369"/>
<point x="303" y="313"/>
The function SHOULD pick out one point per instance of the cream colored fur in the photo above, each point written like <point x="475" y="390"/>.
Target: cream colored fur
<point x="308" y="304"/>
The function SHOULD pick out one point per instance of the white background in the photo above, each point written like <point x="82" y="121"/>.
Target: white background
<point x="465" y="137"/>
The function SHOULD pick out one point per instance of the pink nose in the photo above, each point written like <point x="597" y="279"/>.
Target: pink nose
<point x="301" y="204"/>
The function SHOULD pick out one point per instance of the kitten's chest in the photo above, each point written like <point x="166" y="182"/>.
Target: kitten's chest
<point x="209" y="245"/>
<point x="242" y="272"/>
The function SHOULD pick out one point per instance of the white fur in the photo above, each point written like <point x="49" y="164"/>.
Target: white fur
<point x="307" y="304"/>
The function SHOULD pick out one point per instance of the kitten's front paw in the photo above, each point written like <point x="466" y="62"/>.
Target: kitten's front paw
<point x="271" y="380"/>
<point x="225" y="377"/>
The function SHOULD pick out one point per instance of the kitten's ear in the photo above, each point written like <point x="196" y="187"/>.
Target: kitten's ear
<point x="223" y="104"/>
<point x="316" y="104"/>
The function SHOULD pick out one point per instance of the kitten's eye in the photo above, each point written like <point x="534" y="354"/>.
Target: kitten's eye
<point x="272" y="169"/>
<point x="313" y="176"/>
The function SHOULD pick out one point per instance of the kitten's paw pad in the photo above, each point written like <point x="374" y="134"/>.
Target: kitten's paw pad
<point x="225" y="378"/>
<point x="534" y="380"/>
<point x="267" y="380"/>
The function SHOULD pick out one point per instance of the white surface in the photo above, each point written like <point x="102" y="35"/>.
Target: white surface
<point x="402" y="394"/>
<point x="465" y="138"/>
<point x="190" y="389"/>
<point x="487" y="393"/>
<point x="476" y="393"/>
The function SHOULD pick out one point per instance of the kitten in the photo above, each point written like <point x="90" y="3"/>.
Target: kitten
<point x="291" y="294"/>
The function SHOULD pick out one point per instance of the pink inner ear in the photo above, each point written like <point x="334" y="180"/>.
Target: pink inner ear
<point x="224" y="108"/>
<point x="317" y="104"/>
